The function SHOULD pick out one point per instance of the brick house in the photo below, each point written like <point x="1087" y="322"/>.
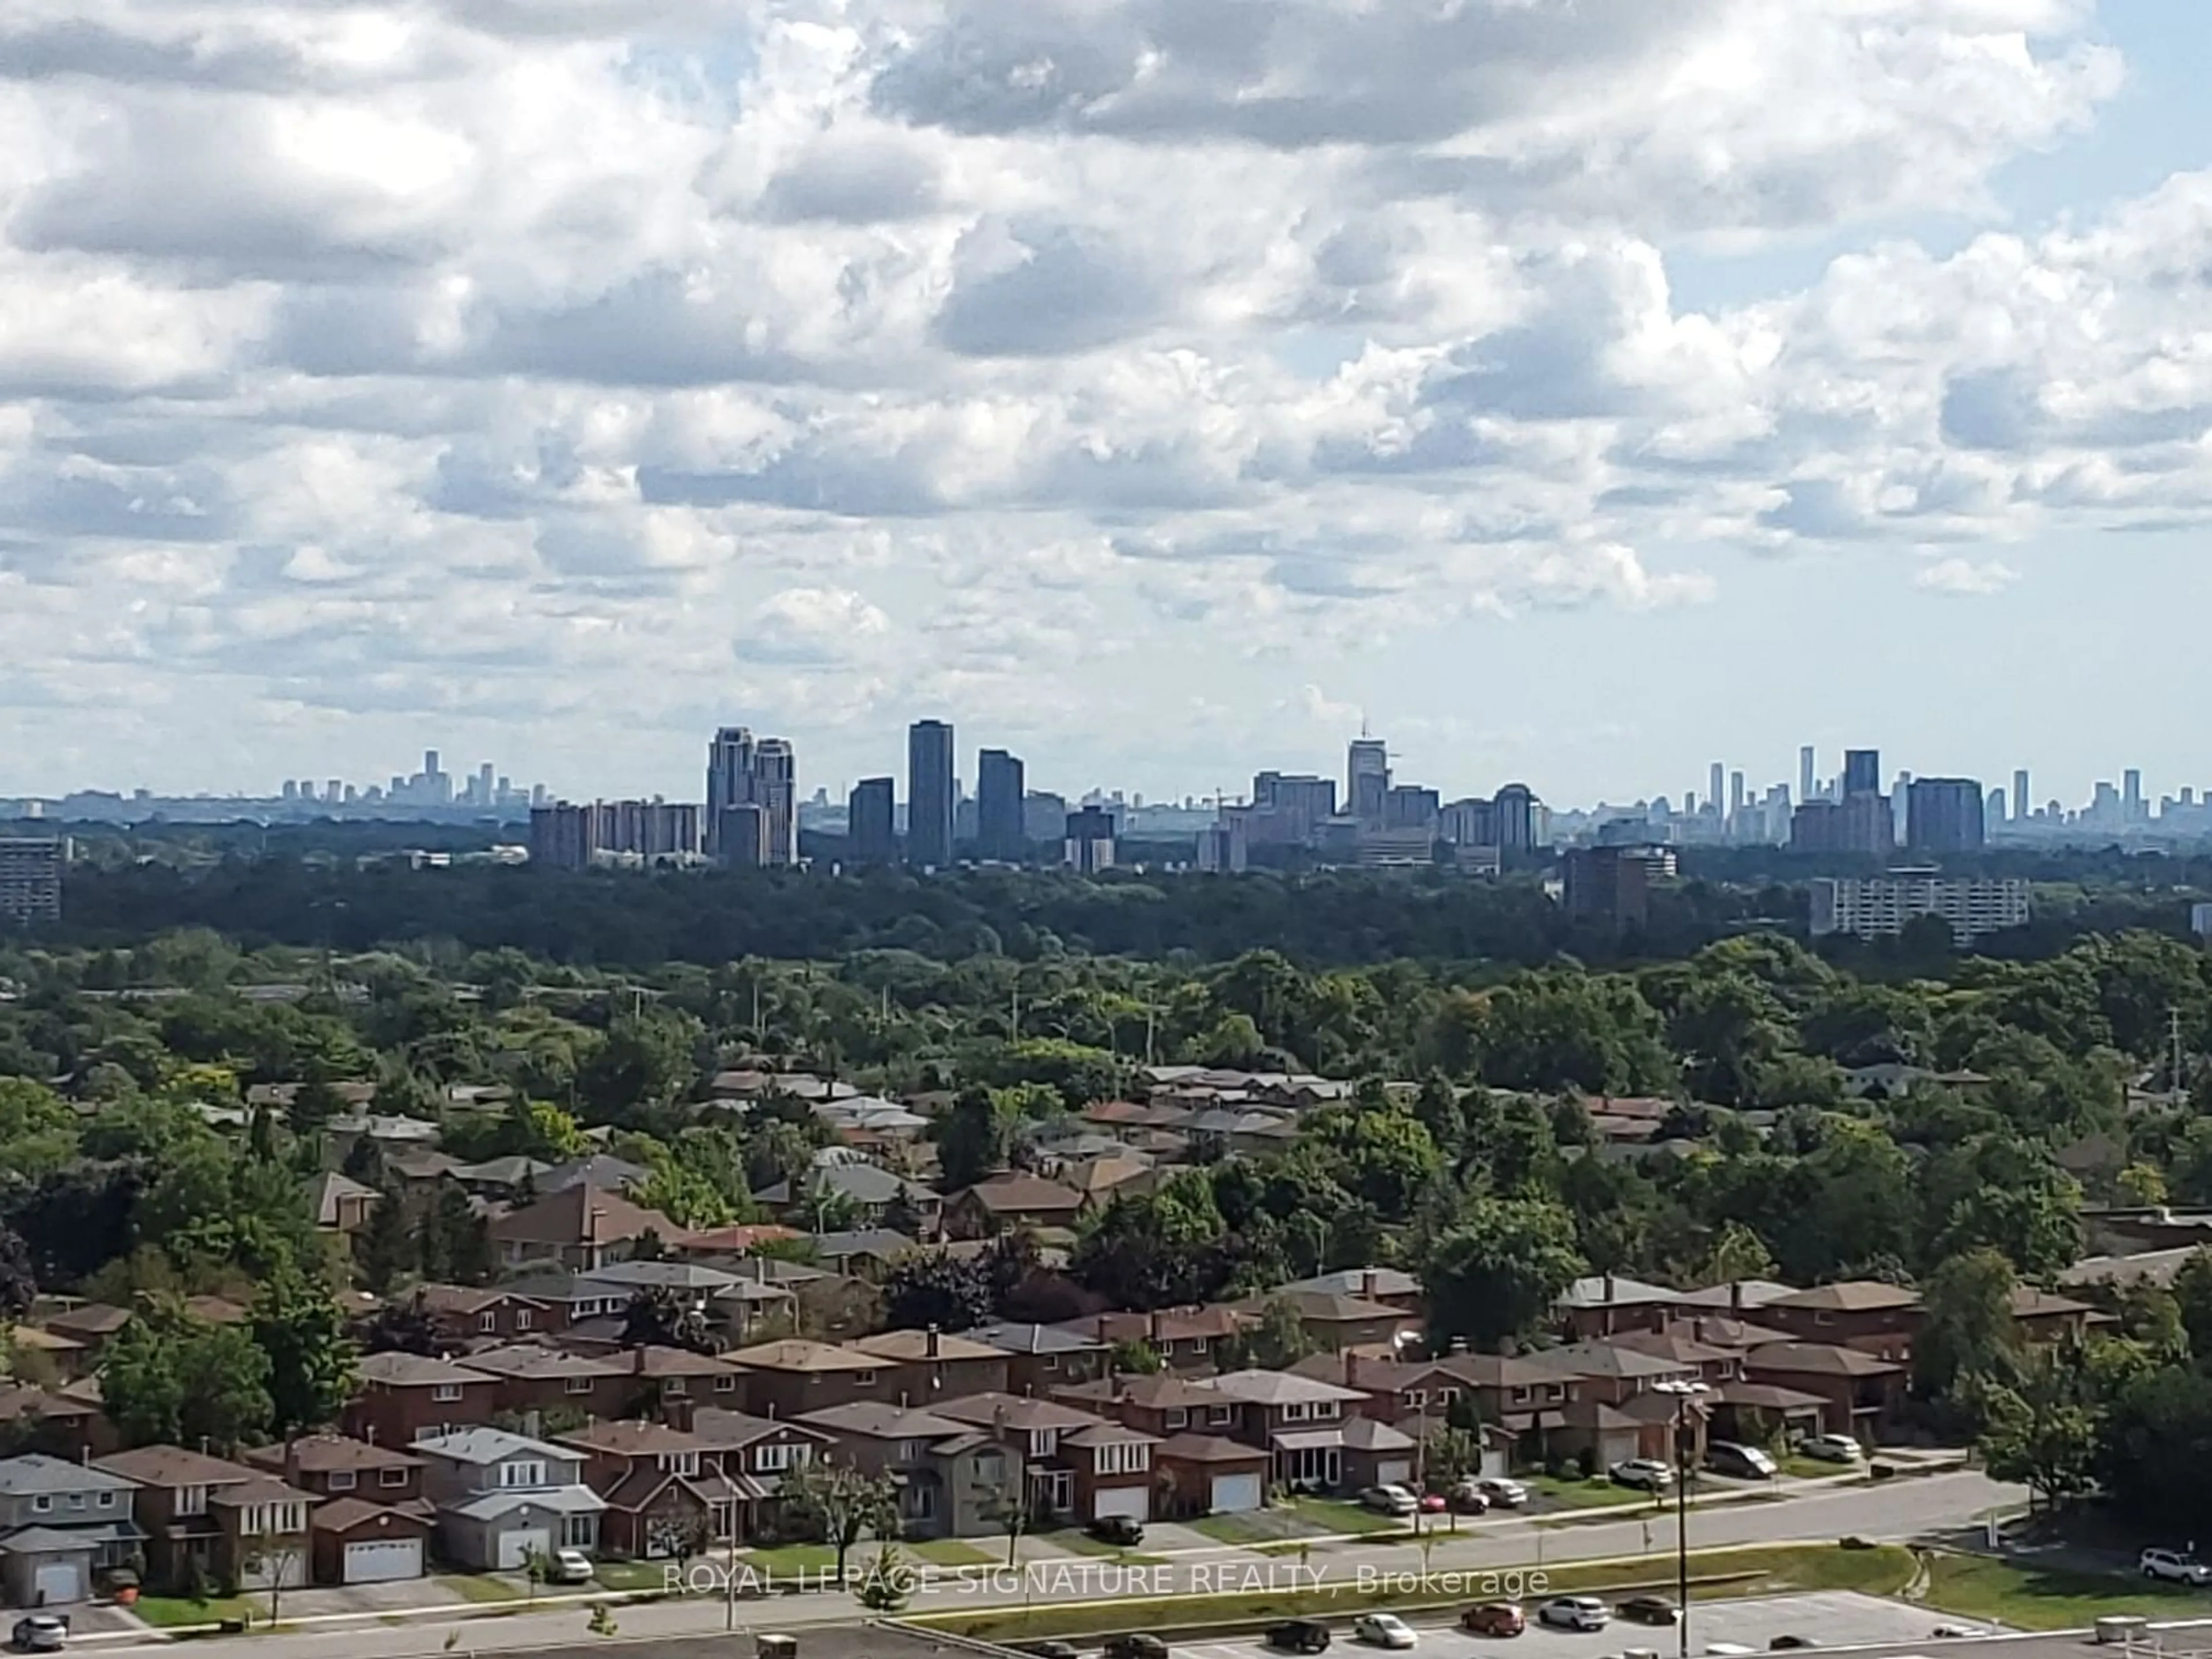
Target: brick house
<point x="927" y="1365"/>
<point x="331" y="1466"/>
<point x="1610" y="1304"/>
<point x="553" y="1385"/>
<point x="1860" y="1393"/>
<point x="665" y="1492"/>
<point x="580" y="1228"/>
<point x="1042" y="1357"/>
<point x="758" y="1453"/>
<point x="1298" y="1420"/>
<point x="405" y="1397"/>
<point x="464" y="1315"/>
<point x="1185" y="1339"/>
<point x="794" y="1378"/>
<point x="234" y="1523"/>
<point x="54" y="1424"/>
<point x="955" y="1481"/>
<point x="1865" y="1314"/>
<point x="1208" y="1474"/>
<point x="351" y="1540"/>
<point x="1164" y="1405"/>
<point x="1393" y="1288"/>
<point x="1009" y="1201"/>
<point x="1336" y="1321"/>
<point x="1080" y="1466"/>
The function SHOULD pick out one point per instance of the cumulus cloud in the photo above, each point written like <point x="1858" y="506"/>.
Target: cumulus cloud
<point x="381" y="360"/>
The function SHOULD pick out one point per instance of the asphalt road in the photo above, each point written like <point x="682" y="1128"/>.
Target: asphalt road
<point x="1902" y="1510"/>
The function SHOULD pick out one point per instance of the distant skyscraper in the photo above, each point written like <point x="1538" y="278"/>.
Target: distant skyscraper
<point x="1861" y="772"/>
<point x="1807" y="773"/>
<point x="1000" y="831"/>
<point x="31" y="878"/>
<point x="775" y="791"/>
<point x="2023" y="808"/>
<point x="929" y="794"/>
<point x="2131" y="796"/>
<point x="1091" y="839"/>
<point x="729" y="779"/>
<point x="1945" y="814"/>
<point x="762" y="773"/>
<point x="1609" y="885"/>
<point x="1516" y="809"/>
<point x="1717" y="780"/>
<point x="1367" y="780"/>
<point x="871" y="823"/>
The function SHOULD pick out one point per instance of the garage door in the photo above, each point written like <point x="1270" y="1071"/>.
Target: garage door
<point x="516" y="1547"/>
<point x="57" y="1582"/>
<point x="379" y="1560"/>
<point x="1237" y="1494"/>
<point x="1394" y="1474"/>
<point x="1135" y="1501"/>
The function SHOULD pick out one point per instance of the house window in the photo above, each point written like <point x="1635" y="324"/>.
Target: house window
<point x="674" y="1385"/>
<point x="446" y="1393"/>
<point x="577" y="1385"/>
<point x="531" y="1474"/>
<point x="922" y="1503"/>
<point x="1178" y="1419"/>
<point x="1325" y="1407"/>
<point x="1051" y="1362"/>
<point x="1294" y="1411"/>
<point x="522" y="1319"/>
<point x="1418" y="1398"/>
<point x="726" y="1383"/>
<point x="865" y="1379"/>
<point x="1197" y="1345"/>
<point x="392" y="1478"/>
<point x="76" y="1500"/>
<point x="190" y="1500"/>
<point x="680" y="1463"/>
<point x="909" y="1451"/>
<point x="487" y="1319"/>
<point x="1043" y="1442"/>
<point x="579" y="1532"/>
<point x="1218" y="1415"/>
<point x="342" y="1481"/>
<point x="42" y="1504"/>
<point x="1520" y="1394"/>
<point x="108" y="1500"/>
<point x="990" y="1469"/>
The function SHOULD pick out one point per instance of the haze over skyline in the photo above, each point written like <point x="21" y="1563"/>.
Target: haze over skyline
<point x="1580" y="395"/>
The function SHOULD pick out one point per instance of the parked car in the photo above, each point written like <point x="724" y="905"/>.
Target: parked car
<point x="1572" y="1612"/>
<point x="1433" y="1504"/>
<point x="1787" y="1643"/>
<point x="1299" y="1635"/>
<point x="1383" y="1629"/>
<point x="1744" y="1462"/>
<point x="42" y="1632"/>
<point x="1957" y="1632"/>
<point x="1830" y="1447"/>
<point x="1123" y="1529"/>
<point x="569" y="1567"/>
<point x="2176" y="1566"/>
<point x="1137" y="1645"/>
<point x="1389" y="1500"/>
<point x="1503" y="1493"/>
<point x="1494" y="1619"/>
<point x="1645" y="1474"/>
<point x="1468" y="1497"/>
<point x="1051" y="1650"/>
<point x="1648" y="1610"/>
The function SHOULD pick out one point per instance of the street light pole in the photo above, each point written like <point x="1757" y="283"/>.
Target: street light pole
<point x="1684" y="1392"/>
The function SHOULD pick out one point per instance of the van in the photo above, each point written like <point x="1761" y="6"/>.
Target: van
<point x="1743" y="1463"/>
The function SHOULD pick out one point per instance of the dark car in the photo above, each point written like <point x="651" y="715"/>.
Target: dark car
<point x="1299" y="1635"/>
<point x="1137" y="1646"/>
<point x="1786" y="1643"/>
<point x="1051" y="1650"/>
<point x="1648" y="1610"/>
<point x="1117" y="1529"/>
<point x="1494" y="1619"/>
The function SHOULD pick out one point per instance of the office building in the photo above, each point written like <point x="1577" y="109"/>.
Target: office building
<point x="31" y="878"/>
<point x="1882" y="906"/>
<point x="571" y="835"/>
<point x="1861" y="772"/>
<point x="741" y="836"/>
<point x="1089" y="840"/>
<point x="1945" y="814"/>
<point x="1044" y="816"/>
<point x="1000" y="831"/>
<point x="775" y="791"/>
<point x="1470" y="823"/>
<point x="1995" y="808"/>
<point x="1397" y="849"/>
<point x="2023" y="809"/>
<point x="1223" y="849"/>
<point x="931" y="795"/>
<point x="2132" y="803"/>
<point x="762" y="773"/>
<point x="1808" y="775"/>
<point x="1515" y="810"/>
<point x="1860" y="826"/>
<point x="729" y="779"/>
<point x="871" y="822"/>
<point x="1609" y="886"/>
<point x="1367" y="780"/>
<point x="1715" y="779"/>
<point x="1409" y="806"/>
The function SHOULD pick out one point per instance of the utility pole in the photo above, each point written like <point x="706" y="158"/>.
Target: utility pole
<point x="2177" y="1081"/>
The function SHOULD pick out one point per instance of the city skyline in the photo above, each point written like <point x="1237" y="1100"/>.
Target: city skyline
<point x="1760" y="381"/>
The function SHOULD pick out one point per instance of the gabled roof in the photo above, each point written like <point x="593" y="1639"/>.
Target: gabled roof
<point x="415" y="1371"/>
<point x="1018" y="1194"/>
<point x="1015" y="1337"/>
<point x="581" y="1215"/>
<point x="1018" y="1412"/>
<point x="526" y="1361"/>
<point x="1207" y="1449"/>
<point x="19" y="1401"/>
<point x="320" y="1454"/>
<point x="346" y="1514"/>
<point x="1364" y="1282"/>
<point x="656" y="1360"/>
<point x="261" y="1489"/>
<point x="510" y="1171"/>
<point x="1327" y="1307"/>
<point x="660" y="1276"/>
<point x="599" y="1169"/>
<point x="727" y="1431"/>
<point x="330" y="1191"/>
<point x="481" y="1445"/>
<point x="1851" y="1296"/>
<point x="1603" y="1359"/>
<point x="797" y="1354"/>
<point x="1817" y="1359"/>
<point x="1675" y="1344"/>
<point x="879" y="1420"/>
<point x="637" y="1439"/>
<point x="921" y="1347"/>
<point x="1162" y="1391"/>
<point x="883" y="1243"/>
<point x="92" y="1319"/>
<point x="1614" y="1289"/>
<point x="34" y="1472"/>
<point x="1281" y="1389"/>
<point x="1746" y="1293"/>
<point x="1369" y="1434"/>
<point x="174" y="1466"/>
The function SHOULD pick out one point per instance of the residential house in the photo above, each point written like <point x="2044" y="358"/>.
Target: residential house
<point x="739" y="1238"/>
<point x="1007" y="1202"/>
<point x="1763" y="1413"/>
<point x="1298" y="1419"/>
<point x="514" y="1178"/>
<point x="68" y="1356"/>
<point x="217" y="1310"/>
<point x="462" y="1314"/>
<point x="808" y="1300"/>
<point x="2153" y="1268"/>
<point x="262" y="1540"/>
<point x="1100" y="1178"/>
<point x="1042" y="1357"/>
<point x="1163" y="1405"/>
<point x="1209" y="1475"/>
<point x="927" y="1366"/>
<point x="1526" y="1400"/>
<point x="1393" y="1288"/>
<point x="33" y="1419"/>
<point x="955" y="1481"/>
<point x="63" y="1524"/>
<point x="597" y="1170"/>
<point x="675" y="1382"/>
<point x="406" y="1397"/>
<point x="666" y="1491"/>
<point x="1185" y="1339"/>
<point x="1080" y="1466"/>
<point x="581" y="1227"/>
<point x="1611" y="1371"/>
<point x="792" y="1377"/>
<point x="2042" y="1317"/>
<point x="503" y="1498"/>
<point x="90" y="1326"/>
<point x="352" y="1541"/>
<point x="341" y="1204"/>
<point x="1337" y="1321"/>
<point x="549" y="1387"/>
<point x="867" y="1191"/>
<point x="1709" y="1362"/>
<point x="329" y="1466"/>
<point x="185" y="1542"/>
<point x="1865" y="1314"/>
<point x="866" y="1254"/>
<point x="1608" y="1304"/>
<point x="1738" y="1298"/>
<point x="1861" y="1393"/>
<point x="758" y="1453"/>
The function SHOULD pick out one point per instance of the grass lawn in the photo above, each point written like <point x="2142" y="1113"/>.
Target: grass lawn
<point x="954" y="1552"/>
<point x="1277" y="1525"/>
<point x="794" y="1559"/>
<point x="173" y="1612"/>
<point x="2036" y="1598"/>
<point x="634" y="1574"/>
<point x="1880" y="1572"/>
<point x="1814" y="1468"/>
<point x="1330" y="1515"/>
<point x="1598" y="1493"/>
<point x="482" y="1587"/>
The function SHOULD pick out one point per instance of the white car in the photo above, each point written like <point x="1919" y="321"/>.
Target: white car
<point x="1389" y="1500"/>
<point x="1647" y="1474"/>
<point x="1383" y="1630"/>
<point x="1573" y="1612"/>
<point x="1830" y="1447"/>
<point x="1503" y="1493"/>
<point x="571" y="1566"/>
<point x="41" y="1633"/>
<point x="2174" y="1566"/>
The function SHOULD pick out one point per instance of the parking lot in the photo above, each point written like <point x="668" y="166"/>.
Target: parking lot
<point x="1836" y="1619"/>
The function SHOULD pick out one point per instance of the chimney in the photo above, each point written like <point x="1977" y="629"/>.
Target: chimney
<point x="1459" y="1345"/>
<point x="1608" y="1289"/>
<point x="1152" y="1328"/>
<point x="1351" y="1369"/>
<point x="677" y="1414"/>
<point x="931" y="1350"/>
<point x="1367" y="1284"/>
<point x="1736" y="1298"/>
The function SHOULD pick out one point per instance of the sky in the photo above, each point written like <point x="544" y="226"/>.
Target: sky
<point x="1575" y="391"/>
